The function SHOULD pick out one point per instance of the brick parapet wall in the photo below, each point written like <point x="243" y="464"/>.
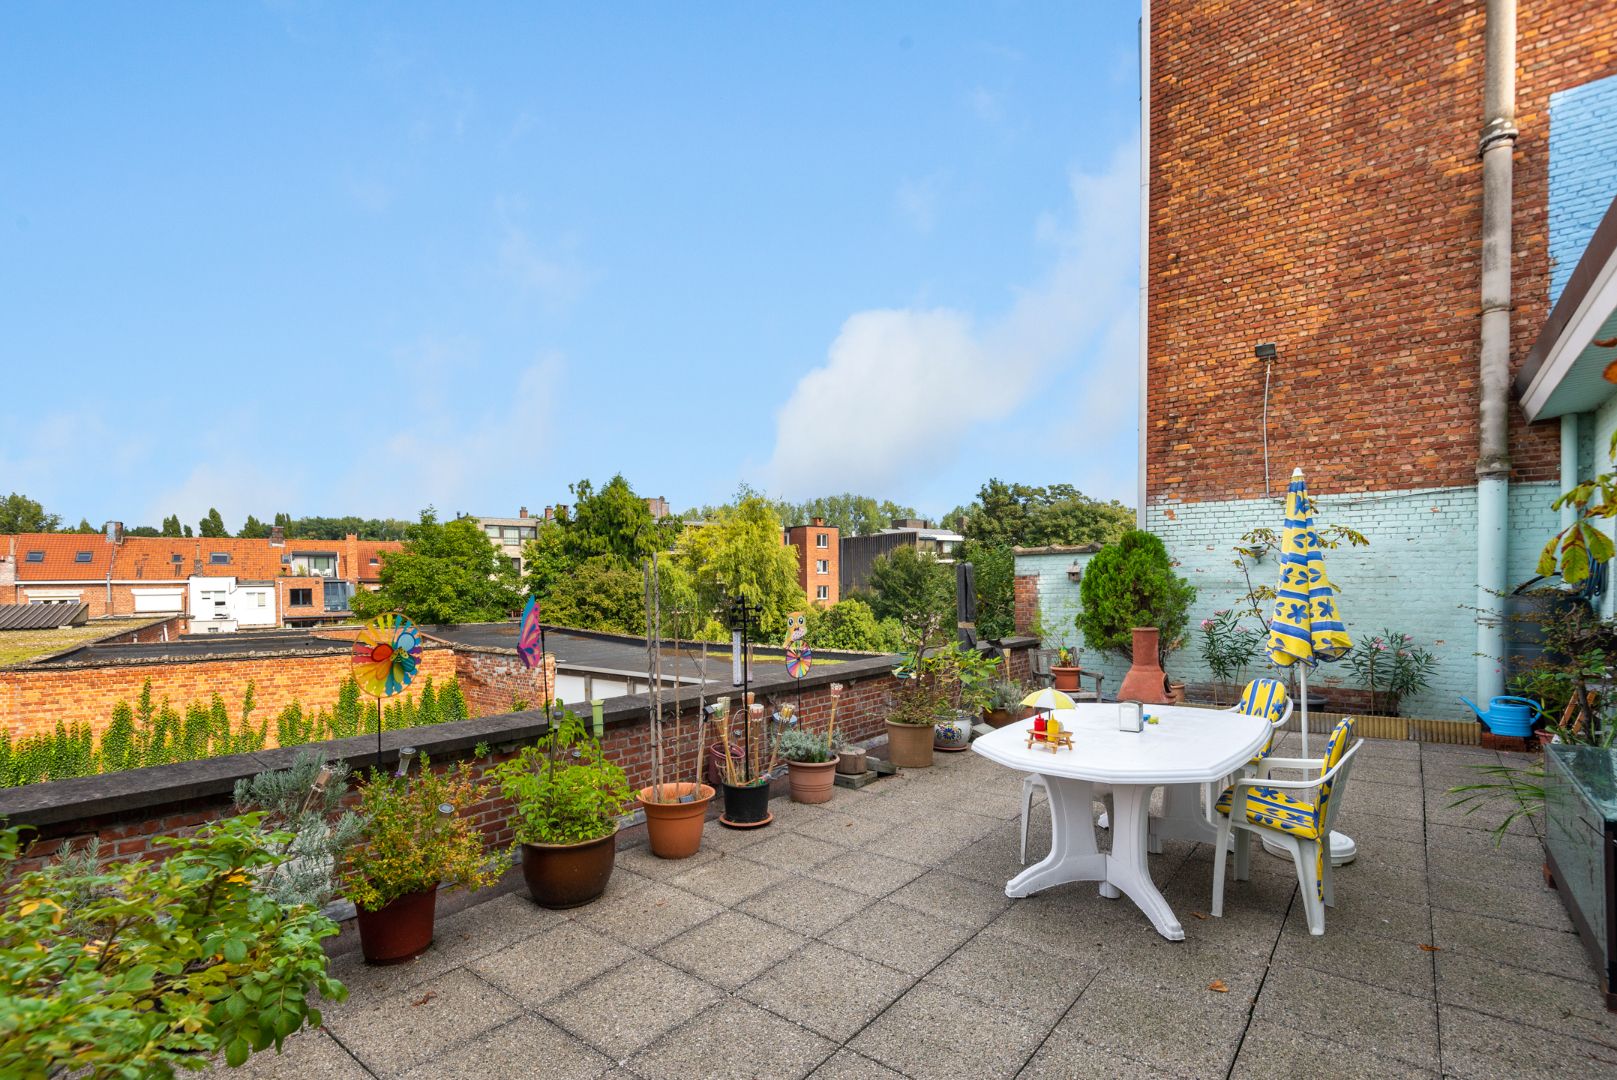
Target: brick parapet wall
<point x="494" y="680"/>
<point x="1314" y="182"/>
<point x="35" y="699"/>
<point x="129" y="811"/>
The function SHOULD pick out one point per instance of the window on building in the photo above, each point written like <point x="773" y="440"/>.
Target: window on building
<point x="176" y="558"/>
<point x="492" y="530"/>
<point x="822" y="592"/>
<point x="219" y="558"/>
<point x="512" y="532"/>
<point x="336" y="596"/>
<point x="36" y="556"/>
<point x="300" y="597"/>
<point x="529" y="532"/>
<point x="822" y="540"/>
<point x="83" y="556"/>
<point x="262" y="598"/>
<point x="314" y="564"/>
<point x="375" y="561"/>
<point x="822" y="566"/>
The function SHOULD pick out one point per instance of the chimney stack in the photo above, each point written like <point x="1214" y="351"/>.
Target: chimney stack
<point x="523" y="512"/>
<point x="819" y="521"/>
<point x="277" y="536"/>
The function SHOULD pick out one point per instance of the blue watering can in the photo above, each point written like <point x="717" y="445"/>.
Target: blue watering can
<point x="1508" y="715"/>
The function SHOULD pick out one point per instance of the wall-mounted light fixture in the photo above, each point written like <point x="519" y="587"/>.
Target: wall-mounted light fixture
<point x="1267" y="353"/>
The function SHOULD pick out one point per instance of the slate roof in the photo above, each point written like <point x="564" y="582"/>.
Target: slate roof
<point x="42" y="616"/>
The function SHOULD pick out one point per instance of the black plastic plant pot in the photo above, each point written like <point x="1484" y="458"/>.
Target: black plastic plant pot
<point x="746" y="807"/>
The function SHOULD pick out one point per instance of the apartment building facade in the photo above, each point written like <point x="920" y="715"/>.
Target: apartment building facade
<point x="819" y="560"/>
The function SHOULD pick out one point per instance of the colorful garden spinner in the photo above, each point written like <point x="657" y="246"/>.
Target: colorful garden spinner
<point x="386" y="655"/>
<point x="799" y="658"/>
<point x="531" y="636"/>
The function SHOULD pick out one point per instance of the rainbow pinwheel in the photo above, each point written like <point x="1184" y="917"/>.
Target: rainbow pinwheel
<point x="387" y="653"/>
<point x="798" y="662"/>
<point x="531" y="636"/>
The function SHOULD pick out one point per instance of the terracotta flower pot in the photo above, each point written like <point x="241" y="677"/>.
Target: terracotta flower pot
<point x="812" y="781"/>
<point x="909" y="746"/>
<point x="675" y="828"/>
<point x="1066" y="677"/>
<point x="567" y="875"/>
<point x="400" y="930"/>
<point x="1145" y="680"/>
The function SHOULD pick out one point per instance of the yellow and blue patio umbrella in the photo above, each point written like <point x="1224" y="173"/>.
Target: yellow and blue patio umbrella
<point x="1306" y="627"/>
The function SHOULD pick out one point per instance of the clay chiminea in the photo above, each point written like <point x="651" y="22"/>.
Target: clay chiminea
<point x="1145" y="680"/>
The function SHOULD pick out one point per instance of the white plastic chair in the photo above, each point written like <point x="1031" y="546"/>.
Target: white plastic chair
<point x="1299" y="826"/>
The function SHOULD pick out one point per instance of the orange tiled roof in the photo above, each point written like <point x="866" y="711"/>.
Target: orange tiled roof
<point x="159" y="558"/>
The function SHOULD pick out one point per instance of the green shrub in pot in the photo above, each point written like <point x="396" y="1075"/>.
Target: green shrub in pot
<point x="800" y="745"/>
<point x="564" y="790"/>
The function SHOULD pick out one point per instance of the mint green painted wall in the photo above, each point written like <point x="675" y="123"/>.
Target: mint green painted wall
<point x="1059" y="603"/>
<point x="1417" y="576"/>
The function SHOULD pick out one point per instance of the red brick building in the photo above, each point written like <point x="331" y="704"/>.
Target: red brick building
<point x="819" y="567"/>
<point x="286" y="582"/>
<point x="1315" y="182"/>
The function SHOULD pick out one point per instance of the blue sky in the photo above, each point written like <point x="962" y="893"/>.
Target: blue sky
<point x="355" y="259"/>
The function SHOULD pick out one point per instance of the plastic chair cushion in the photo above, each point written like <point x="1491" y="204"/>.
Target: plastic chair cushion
<point x="1272" y="808"/>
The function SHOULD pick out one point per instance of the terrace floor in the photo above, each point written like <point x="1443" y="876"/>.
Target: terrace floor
<point x="871" y="937"/>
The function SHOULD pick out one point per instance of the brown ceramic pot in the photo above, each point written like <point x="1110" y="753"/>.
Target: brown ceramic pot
<point x="1066" y="677"/>
<point x="909" y="746"/>
<point x="1145" y="680"/>
<point x="998" y="717"/>
<point x="398" y="931"/>
<point x="675" y="828"/>
<point x="567" y="875"/>
<point x="812" y="781"/>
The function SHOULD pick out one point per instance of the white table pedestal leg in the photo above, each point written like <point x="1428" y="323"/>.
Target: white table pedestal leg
<point x="1182" y="816"/>
<point x="1126" y="867"/>
<point x="1073" y="854"/>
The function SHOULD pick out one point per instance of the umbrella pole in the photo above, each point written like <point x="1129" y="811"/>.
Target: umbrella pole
<point x="1302" y="683"/>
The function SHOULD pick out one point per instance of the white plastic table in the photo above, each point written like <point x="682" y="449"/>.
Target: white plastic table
<point x="1185" y="748"/>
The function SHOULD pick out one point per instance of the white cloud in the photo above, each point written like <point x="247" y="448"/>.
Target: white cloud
<point x="903" y="391"/>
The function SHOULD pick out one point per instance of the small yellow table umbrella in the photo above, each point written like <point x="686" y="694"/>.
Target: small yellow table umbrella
<point x="1048" y="699"/>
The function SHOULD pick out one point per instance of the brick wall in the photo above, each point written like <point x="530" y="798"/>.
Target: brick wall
<point x="128" y="826"/>
<point x="1314" y="182"/>
<point x="1583" y="171"/>
<point x="157" y="631"/>
<point x="1026" y="592"/>
<point x="492" y="680"/>
<point x="34" y="699"/>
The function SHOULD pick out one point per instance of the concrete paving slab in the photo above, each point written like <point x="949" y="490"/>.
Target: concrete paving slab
<point x="1525" y="997"/>
<point x="1063" y="1057"/>
<point x="847" y="1065"/>
<point x="1478" y="1046"/>
<point x="526" y="1046"/>
<point x="843" y="829"/>
<point x="827" y="990"/>
<point x="729" y="879"/>
<point x="1555" y="952"/>
<point x="806" y="905"/>
<point x="951" y="896"/>
<point x="1380" y="1021"/>
<point x="794" y="851"/>
<point x="392" y="1034"/>
<point x="900" y="937"/>
<point x="648" y="916"/>
<point x="639" y="860"/>
<point x="551" y="964"/>
<point x="1395" y="965"/>
<point x="631" y="1005"/>
<point x="1179" y="1032"/>
<point x="1372" y="915"/>
<point x="927" y="1034"/>
<point x="1004" y="973"/>
<point x="867" y="873"/>
<point x="735" y="1040"/>
<point x="308" y="1055"/>
<point x="1271" y="1050"/>
<point x="730" y="949"/>
<point x="1534" y="903"/>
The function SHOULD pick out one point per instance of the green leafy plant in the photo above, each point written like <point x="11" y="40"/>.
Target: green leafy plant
<point x="417" y="835"/>
<point x="1583" y="544"/>
<point x="564" y="789"/>
<point x="1132" y="583"/>
<point x="157" y="964"/>
<point x="800" y="745"/>
<point x="1391" y="666"/>
<point x="1005" y="695"/>
<point x="1229" y="646"/>
<point x="1521" y="788"/>
<point x="304" y="805"/>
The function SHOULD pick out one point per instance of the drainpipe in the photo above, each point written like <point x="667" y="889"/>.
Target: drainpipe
<point x="1145" y="241"/>
<point x="1569" y="465"/>
<point x="1497" y="146"/>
